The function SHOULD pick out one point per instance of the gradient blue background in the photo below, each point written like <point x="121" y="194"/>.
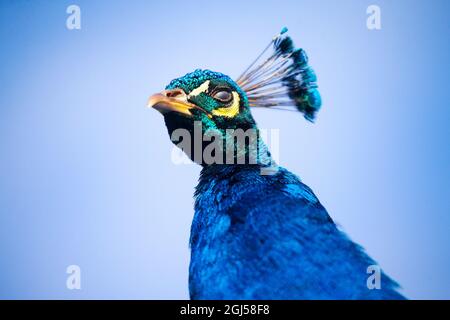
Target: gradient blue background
<point x="85" y="170"/>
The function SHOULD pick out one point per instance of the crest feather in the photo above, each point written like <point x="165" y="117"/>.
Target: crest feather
<point x="283" y="80"/>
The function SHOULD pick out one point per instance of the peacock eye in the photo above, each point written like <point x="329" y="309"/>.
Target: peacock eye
<point x="223" y="96"/>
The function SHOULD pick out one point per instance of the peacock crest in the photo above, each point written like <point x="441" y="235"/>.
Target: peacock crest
<point x="281" y="78"/>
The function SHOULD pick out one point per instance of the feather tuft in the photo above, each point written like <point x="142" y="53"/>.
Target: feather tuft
<point x="282" y="79"/>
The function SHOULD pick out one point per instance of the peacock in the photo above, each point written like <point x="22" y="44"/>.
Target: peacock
<point x="258" y="231"/>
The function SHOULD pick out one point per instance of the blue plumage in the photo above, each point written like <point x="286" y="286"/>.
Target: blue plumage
<point x="258" y="236"/>
<point x="268" y="237"/>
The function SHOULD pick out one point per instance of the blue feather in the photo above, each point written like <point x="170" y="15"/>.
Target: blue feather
<point x="268" y="237"/>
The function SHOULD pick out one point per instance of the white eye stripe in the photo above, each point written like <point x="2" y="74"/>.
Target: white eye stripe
<point x="202" y="88"/>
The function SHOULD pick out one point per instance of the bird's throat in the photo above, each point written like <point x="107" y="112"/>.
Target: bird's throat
<point x="221" y="146"/>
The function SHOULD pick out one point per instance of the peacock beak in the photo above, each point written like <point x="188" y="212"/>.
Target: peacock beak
<point x="171" y="101"/>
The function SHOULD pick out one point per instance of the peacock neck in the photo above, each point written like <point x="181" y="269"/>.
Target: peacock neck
<point x="238" y="149"/>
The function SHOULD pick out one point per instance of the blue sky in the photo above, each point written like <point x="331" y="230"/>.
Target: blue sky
<point x="86" y="175"/>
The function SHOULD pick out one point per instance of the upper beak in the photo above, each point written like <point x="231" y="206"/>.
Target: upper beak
<point x="171" y="100"/>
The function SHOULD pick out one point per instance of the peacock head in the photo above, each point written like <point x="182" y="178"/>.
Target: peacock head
<point x="203" y="96"/>
<point x="283" y="80"/>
